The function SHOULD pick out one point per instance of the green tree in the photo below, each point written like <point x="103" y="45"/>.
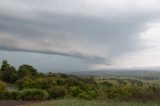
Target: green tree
<point x="5" y="65"/>
<point x="9" y="75"/>
<point x="26" y="70"/>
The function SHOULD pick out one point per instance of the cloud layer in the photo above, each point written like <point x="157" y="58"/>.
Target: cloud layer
<point x="106" y="32"/>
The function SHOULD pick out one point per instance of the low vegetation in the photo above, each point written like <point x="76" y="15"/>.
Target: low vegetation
<point x="26" y="94"/>
<point x="77" y="102"/>
<point x="26" y="83"/>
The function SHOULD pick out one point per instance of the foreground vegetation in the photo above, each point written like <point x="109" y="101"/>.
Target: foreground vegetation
<point x="76" y="102"/>
<point x="26" y="83"/>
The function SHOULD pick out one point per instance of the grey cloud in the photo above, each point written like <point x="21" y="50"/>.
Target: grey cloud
<point x="92" y="59"/>
<point x="91" y="29"/>
<point x="119" y="33"/>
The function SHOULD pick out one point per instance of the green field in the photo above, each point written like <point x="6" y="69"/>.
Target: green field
<point x="78" y="102"/>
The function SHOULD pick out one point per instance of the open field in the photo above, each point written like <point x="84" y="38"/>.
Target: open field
<point x="76" y="102"/>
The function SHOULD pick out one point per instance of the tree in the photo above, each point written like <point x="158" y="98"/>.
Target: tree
<point x="5" y="65"/>
<point x="9" y="75"/>
<point x="26" y="70"/>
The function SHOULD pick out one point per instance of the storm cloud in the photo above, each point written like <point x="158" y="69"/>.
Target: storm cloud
<point x="103" y="33"/>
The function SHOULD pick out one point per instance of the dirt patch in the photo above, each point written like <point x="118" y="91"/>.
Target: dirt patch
<point x="16" y="103"/>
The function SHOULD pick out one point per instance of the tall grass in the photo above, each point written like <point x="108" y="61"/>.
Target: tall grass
<point x="77" y="102"/>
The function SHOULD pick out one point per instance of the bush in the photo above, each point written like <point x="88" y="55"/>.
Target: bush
<point x="92" y="94"/>
<point x="83" y="95"/>
<point x="123" y="92"/>
<point x="88" y="95"/>
<point x="10" y="95"/>
<point x="15" y="95"/>
<point x="75" y="91"/>
<point x="27" y="94"/>
<point x="2" y="86"/>
<point x="34" y="94"/>
<point x="57" y="92"/>
<point x="5" y="95"/>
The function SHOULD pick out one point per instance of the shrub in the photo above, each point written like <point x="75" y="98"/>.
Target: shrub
<point x="75" y="91"/>
<point x="143" y="94"/>
<point x="10" y="95"/>
<point x="34" y="94"/>
<point x="56" y="92"/>
<point x="25" y="82"/>
<point x="44" y="83"/>
<point x="72" y="82"/>
<point x="92" y="94"/>
<point x="84" y="95"/>
<point x="88" y="95"/>
<point x="60" y="82"/>
<point x="27" y="94"/>
<point x="2" y="86"/>
<point x="15" y="95"/>
<point x="118" y="92"/>
<point x="5" y="95"/>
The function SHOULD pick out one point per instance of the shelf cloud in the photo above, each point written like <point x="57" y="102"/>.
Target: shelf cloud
<point x="102" y="33"/>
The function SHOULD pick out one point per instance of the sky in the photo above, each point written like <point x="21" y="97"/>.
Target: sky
<point x="80" y="35"/>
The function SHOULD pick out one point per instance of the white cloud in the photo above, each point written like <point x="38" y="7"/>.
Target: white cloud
<point x="149" y="55"/>
<point x="151" y="37"/>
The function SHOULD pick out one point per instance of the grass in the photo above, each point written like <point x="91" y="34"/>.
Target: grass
<point x="78" y="102"/>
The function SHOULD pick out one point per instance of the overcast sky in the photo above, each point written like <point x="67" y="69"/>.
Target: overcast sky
<point x="79" y="35"/>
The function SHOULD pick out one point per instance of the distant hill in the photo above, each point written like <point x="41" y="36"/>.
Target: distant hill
<point x="120" y="73"/>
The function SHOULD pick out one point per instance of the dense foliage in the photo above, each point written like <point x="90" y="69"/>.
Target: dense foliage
<point x="26" y="94"/>
<point x="2" y="86"/>
<point x="27" y="83"/>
